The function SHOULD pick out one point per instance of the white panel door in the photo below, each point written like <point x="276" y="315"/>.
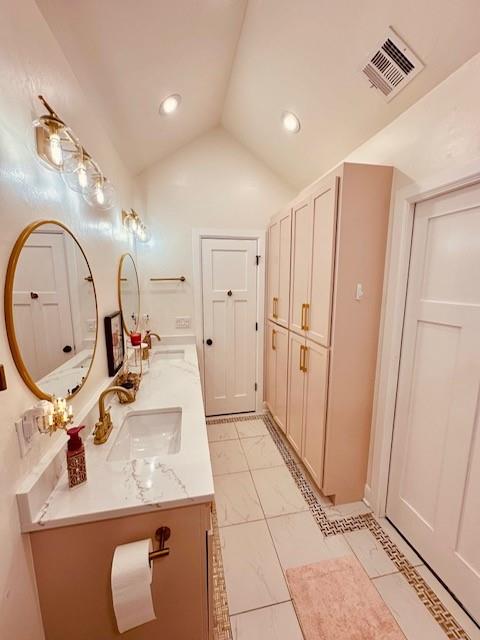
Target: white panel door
<point x="434" y="489"/>
<point x="302" y="225"/>
<point x="41" y="304"/>
<point x="296" y="388"/>
<point x="315" y="409"/>
<point x="318" y="313"/>
<point x="229" y="273"/>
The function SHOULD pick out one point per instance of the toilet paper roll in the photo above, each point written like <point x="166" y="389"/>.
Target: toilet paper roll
<point x="131" y="584"/>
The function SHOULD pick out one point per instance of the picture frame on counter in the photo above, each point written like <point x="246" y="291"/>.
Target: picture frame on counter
<point x="115" y="342"/>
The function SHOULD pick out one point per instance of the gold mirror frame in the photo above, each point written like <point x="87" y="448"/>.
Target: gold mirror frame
<point x="119" y="285"/>
<point x="8" y="303"/>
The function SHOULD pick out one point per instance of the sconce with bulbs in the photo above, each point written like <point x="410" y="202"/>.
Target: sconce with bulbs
<point x="60" y="150"/>
<point x="134" y="224"/>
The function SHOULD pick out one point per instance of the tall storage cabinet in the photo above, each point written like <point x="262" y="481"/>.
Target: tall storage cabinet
<point x="337" y="255"/>
<point x="278" y="286"/>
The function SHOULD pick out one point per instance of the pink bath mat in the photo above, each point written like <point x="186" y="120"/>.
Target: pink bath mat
<point x="335" y="600"/>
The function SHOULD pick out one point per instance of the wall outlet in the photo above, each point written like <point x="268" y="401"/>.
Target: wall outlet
<point x="183" y="323"/>
<point x="91" y="326"/>
<point x="25" y="432"/>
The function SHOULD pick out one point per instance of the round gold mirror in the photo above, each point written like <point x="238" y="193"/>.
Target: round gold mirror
<point x="129" y="293"/>
<point x="51" y="310"/>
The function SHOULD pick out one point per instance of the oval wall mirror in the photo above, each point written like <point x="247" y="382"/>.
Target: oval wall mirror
<point x="129" y="293"/>
<point x="51" y="310"/>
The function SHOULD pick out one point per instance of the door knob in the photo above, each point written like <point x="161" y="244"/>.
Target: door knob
<point x="209" y="341"/>
<point x="67" y="349"/>
<point x="33" y="295"/>
<point x="229" y="293"/>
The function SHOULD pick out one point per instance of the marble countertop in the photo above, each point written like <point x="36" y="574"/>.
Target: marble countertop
<point x="116" y="489"/>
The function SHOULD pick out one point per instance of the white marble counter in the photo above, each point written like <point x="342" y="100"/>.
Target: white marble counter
<point x="115" y="489"/>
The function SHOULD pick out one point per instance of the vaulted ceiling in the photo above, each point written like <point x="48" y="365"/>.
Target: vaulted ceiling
<point x="242" y="63"/>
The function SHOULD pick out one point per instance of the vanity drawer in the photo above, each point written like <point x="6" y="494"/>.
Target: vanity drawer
<point x="73" y="564"/>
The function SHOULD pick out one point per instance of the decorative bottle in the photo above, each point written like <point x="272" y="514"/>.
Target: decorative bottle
<point x="76" y="465"/>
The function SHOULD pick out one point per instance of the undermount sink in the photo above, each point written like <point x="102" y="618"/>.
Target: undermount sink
<point x="148" y="434"/>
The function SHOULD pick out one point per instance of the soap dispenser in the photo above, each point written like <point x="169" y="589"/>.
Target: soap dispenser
<point x="76" y="466"/>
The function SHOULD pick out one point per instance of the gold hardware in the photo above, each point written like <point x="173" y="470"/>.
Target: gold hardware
<point x="275" y="308"/>
<point x="162" y="535"/>
<point x="179" y="279"/>
<point x="103" y="427"/>
<point x="304" y="362"/>
<point x="119" y="288"/>
<point x="8" y="305"/>
<point x="301" y="354"/>
<point x="147" y="339"/>
<point x="274" y="346"/>
<point x="307" y="308"/>
<point x="302" y="321"/>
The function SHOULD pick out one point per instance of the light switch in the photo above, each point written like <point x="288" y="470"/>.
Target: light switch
<point x="182" y="323"/>
<point x="359" y="292"/>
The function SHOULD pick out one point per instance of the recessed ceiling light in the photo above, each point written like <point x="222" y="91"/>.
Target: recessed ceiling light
<point x="290" y="122"/>
<point x="170" y="104"/>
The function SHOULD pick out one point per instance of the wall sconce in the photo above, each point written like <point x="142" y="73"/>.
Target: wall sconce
<point x="134" y="224"/>
<point x="60" y="150"/>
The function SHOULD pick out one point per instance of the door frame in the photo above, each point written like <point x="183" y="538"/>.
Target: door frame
<point x="395" y="283"/>
<point x="230" y="234"/>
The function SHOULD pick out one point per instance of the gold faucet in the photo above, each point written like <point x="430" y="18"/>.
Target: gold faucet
<point x="148" y="341"/>
<point x="104" y="424"/>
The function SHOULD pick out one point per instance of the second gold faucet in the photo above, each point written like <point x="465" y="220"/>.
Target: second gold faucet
<point x="104" y="425"/>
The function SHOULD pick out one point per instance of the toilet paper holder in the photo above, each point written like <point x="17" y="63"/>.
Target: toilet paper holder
<point x="162" y="534"/>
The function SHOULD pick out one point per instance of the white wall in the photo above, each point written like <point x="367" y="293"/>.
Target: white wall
<point x="32" y="63"/>
<point x="436" y="137"/>
<point x="214" y="182"/>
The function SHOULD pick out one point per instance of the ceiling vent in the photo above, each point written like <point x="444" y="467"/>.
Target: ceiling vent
<point x="391" y="66"/>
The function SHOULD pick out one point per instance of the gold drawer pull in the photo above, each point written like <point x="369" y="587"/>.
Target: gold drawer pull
<point x="274" y="346"/>
<point x="305" y="324"/>
<point x="275" y="308"/>
<point x="301" y="356"/>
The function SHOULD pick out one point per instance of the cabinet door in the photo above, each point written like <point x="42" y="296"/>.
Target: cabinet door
<point x="273" y="268"/>
<point x="319" y="312"/>
<point x="314" y="414"/>
<point x="296" y="383"/>
<point x="302" y="222"/>
<point x="283" y="291"/>
<point x="281" y="373"/>
<point x="270" y="366"/>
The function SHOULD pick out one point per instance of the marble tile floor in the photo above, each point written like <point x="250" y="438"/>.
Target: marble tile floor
<point x="266" y="527"/>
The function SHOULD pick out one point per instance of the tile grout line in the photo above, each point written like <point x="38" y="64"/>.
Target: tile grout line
<point x="427" y="596"/>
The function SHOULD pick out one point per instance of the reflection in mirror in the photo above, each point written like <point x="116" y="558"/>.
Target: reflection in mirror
<point x="129" y="293"/>
<point x="51" y="311"/>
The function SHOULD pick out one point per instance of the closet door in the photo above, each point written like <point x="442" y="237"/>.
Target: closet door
<point x="281" y="373"/>
<point x="315" y="408"/>
<point x="302" y="227"/>
<point x="284" y="245"/>
<point x="273" y="268"/>
<point x="270" y="366"/>
<point x="296" y="384"/>
<point x="318" y="313"/>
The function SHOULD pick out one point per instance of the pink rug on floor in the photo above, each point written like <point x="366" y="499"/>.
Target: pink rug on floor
<point x="335" y="600"/>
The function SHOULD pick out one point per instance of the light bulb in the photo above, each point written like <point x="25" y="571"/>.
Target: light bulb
<point x="99" y="194"/>
<point x="290" y="121"/>
<point x="134" y="225"/>
<point x="82" y="175"/>
<point x="170" y="104"/>
<point x="55" y="149"/>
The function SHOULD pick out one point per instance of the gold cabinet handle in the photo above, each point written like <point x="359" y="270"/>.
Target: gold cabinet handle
<point x="274" y="346"/>
<point x="275" y="308"/>
<point x="302" y="322"/>
<point x="301" y="356"/>
<point x="304" y="363"/>
<point x="305" y="324"/>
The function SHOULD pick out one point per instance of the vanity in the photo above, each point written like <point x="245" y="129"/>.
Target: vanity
<point x="153" y="472"/>
<point x="147" y="460"/>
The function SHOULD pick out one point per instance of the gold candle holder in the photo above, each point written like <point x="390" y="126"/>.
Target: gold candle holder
<point x="58" y="416"/>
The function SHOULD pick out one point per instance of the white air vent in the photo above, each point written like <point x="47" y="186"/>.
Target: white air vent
<point x="391" y="66"/>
